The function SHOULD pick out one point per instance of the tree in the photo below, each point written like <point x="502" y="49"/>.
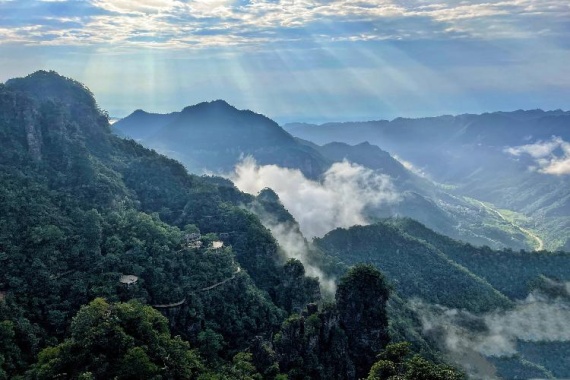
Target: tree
<point x="395" y="363"/>
<point x="123" y="341"/>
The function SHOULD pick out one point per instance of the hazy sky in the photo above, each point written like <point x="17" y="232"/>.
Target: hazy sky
<point x="306" y="60"/>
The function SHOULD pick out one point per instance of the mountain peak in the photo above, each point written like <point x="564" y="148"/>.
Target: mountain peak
<point x="49" y="85"/>
<point x="214" y="105"/>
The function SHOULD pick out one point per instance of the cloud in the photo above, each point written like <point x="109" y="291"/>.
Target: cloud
<point x="137" y="6"/>
<point x="551" y="157"/>
<point x="339" y="200"/>
<point x="326" y="21"/>
<point x="469" y="339"/>
<point x="295" y="246"/>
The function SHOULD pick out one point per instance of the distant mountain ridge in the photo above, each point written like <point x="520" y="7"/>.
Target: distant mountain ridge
<point x="144" y="124"/>
<point x="472" y="156"/>
<point x="460" y="127"/>
<point x="213" y="136"/>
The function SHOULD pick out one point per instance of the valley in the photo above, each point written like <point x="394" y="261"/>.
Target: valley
<point x="267" y="272"/>
<point x="284" y="190"/>
<point x="539" y="242"/>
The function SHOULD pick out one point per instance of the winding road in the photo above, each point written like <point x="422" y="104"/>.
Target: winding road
<point x="540" y="242"/>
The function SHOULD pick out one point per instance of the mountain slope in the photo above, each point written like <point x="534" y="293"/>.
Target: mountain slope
<point x="493" y="312"/>
<point x="473" y="156"/>
<point x="82" y="210"/>
<point x="417" y="269"/>
<point x="86" y="215"/>
<point x="141" y="125"/>
<point x="214" y="136"/>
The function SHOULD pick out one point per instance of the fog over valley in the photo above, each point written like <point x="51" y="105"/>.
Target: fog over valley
<point x="284" y="190"/>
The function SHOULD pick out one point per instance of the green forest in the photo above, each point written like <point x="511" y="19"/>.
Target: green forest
<point x="115" y="263"/>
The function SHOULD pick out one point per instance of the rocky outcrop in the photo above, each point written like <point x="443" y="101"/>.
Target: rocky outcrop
<point x="33" y="135"/>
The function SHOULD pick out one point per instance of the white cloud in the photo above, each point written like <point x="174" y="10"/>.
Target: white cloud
<point x="469" y="339"/>
<point x="551" y="157"/>
<point x="136" y="6"/>
<point x="202" y="23"/>
<point x="338" y="201"/>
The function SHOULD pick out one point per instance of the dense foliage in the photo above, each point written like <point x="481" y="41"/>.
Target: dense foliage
<point x="396" y="363"/>
<point x="415" y="268"/>
<point x="116" y="263"/>
<point x="81" y="208"/>
<point x="513" y="273"/>
<point x="125" y="340"/>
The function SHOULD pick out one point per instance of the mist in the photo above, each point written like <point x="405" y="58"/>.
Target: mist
<point x="339" y="200"/>
<point x="470" y="339"/>
<point x="296" y="246"/>
<point x="551" y="157"/>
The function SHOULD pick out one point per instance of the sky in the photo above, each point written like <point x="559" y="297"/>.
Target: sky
<point x="299" y="60"/>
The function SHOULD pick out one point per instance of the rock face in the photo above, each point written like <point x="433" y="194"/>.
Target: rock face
<point x="33" y="135"/>
<point x="51" y="118"/>
<point x="340" y="341"/>
<point x="361" y="302"/>
<point x="20" y="125"/>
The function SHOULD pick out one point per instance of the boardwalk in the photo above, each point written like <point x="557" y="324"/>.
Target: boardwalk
<point x="180" y="303"/>
<point x="221" y="282"/>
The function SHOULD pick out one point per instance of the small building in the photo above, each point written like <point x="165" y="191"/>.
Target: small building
<point x="217" y="244"/>
<point x="128" y="279"/>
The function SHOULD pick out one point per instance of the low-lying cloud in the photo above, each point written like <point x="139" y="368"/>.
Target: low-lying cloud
<point x="339" y="200"/>
<point x="469" y="339"/>
<point x="295" y="246"/>
<point x="551" y="157"/>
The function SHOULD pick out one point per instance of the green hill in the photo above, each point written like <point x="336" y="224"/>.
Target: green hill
<point x="99" y="236"/>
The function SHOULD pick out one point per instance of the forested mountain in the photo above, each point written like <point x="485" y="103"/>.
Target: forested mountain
<point x="436" y="206"/>
<point x="116" y="263"/>
<point x="500" y="313"/>
<point x="516" y="162"/>
<point x="213" y="136"/>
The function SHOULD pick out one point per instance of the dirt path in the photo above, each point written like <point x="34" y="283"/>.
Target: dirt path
<point x="540" y="242"/>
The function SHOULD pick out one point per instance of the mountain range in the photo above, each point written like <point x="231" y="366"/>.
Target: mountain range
<point x="215" y="137"/>
<point x="116" y="262"/>
<point x="514" y="162"/>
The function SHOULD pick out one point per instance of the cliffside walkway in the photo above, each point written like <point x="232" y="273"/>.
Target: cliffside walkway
<point x="182" y="302"/>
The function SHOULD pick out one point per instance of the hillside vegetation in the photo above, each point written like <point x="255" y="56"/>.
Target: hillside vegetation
<point x="116" y="263"/>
